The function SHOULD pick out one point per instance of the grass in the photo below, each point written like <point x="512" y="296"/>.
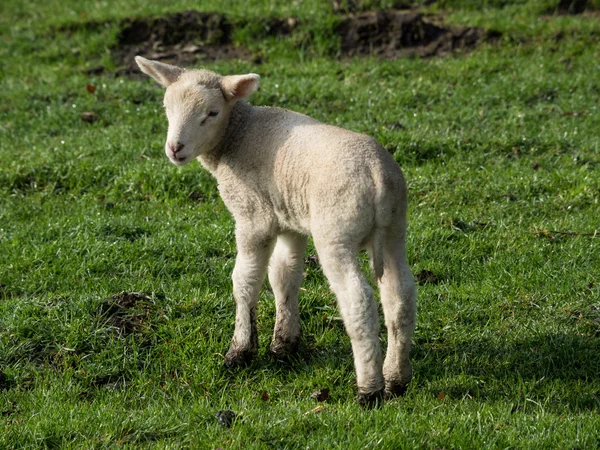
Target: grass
<point x="500" y="149"/>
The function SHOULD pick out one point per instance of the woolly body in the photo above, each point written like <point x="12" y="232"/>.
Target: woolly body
<point x="285" y="176"/>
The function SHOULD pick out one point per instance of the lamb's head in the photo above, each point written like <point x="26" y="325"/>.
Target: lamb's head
<point x="198" y="104"/>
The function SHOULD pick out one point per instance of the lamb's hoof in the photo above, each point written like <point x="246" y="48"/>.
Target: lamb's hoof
<point x="370" y="400"/>
<point x="393" y="390"/>
<point x="238" y="358"/>
<point x="281" y="349"/>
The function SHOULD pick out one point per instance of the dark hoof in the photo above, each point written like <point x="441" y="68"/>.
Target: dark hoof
<point x="370" y="400"/>
<point x="238" y="358"/>
<point x="282" y="349"/>
<point x="393" y="390"/>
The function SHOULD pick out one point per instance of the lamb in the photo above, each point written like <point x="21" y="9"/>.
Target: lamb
<point x="285" y="176"/>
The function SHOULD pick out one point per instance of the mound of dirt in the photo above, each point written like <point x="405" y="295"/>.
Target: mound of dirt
<point x="394" y="33"/>
<point x="181" y="38"/>
<point x="186" y="37"/>
<point x="127" y="312"/>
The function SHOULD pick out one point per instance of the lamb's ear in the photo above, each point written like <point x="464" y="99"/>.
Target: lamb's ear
<point x="165" y="74"/>
<point x="236" y="87"/>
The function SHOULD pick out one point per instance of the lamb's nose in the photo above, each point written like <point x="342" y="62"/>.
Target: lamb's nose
<point x="175" y="148"/>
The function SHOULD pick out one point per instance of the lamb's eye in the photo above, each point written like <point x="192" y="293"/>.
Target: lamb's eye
<point x="213" y="114"/>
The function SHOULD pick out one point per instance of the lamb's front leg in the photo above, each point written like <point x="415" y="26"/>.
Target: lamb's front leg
<point x="285" y="276"/>
<point x="250" y="269"/>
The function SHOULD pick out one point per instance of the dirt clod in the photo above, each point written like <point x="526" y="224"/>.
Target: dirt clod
<point x="398" y="33"/>
<point x="427" y="276"/>
<point x="321" y="395"/>
<point x="89" y="116"/>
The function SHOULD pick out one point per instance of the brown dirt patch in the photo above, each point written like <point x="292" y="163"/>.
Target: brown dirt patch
<point x="127" y="312"/>
<point x="394" y="33"/>
<point x="427" y="277"/>
<point x="181" y="38"/>
<point x="187" y="37"/>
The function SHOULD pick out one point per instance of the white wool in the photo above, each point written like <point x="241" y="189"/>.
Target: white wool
<point x="285" y="176"/>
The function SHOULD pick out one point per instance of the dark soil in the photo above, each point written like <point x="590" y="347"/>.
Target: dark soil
<point x="181" y="38"/>
<point x="569" y="7"/>
<point x="187" y="37"/>
<point x="128" y="312"/>
<point x="394" y="33"/>
<point x="427" y="277"/>
<point x="5" y="383"/>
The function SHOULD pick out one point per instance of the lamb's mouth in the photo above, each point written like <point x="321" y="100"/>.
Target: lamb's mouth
<point x="179" y="160"/>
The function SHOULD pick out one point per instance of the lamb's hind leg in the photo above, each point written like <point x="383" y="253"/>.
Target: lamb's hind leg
<point x="249" y="272"/>
<point x="285" y="276"/>
<point x="359" y="312"/>
<point x="398" y="298"/>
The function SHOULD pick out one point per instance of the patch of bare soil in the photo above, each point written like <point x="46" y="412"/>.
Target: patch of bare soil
<point x="181" y="38"/>
<point x="568" y="7"/>
<point x="395" y="33"/>
<point x="186" y="37"/>
<point x="127" y="312"/>
<point x="427" y="277"/>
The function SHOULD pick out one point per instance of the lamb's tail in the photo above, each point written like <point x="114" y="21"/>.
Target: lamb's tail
<point x="377" y="243"/>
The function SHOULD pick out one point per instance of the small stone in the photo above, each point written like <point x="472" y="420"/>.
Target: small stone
<point x="89" y="117"/>
<point x="226" y="418"/>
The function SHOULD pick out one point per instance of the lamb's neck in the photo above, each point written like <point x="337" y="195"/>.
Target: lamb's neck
<point x="238" y="119"/>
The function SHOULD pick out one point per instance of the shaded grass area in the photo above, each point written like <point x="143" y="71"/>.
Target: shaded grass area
<point x="115" y="292"/>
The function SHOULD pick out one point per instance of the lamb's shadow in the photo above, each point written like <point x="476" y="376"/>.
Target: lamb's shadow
<point x="559" y="371"/>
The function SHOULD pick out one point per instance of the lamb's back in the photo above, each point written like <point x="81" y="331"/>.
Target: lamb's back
<point x="298" y="166"/>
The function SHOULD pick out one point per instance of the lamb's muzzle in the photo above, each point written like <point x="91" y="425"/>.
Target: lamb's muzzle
<point x="285" y="176"/>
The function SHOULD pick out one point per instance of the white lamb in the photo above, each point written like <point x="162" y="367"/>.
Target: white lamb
<point x="285" y="176"/>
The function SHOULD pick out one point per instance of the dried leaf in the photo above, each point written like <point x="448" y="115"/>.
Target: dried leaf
<point x="317" y="409"/>
<point x="441" y="396"/>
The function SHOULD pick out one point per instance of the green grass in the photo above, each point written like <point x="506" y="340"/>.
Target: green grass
<point x="500" y="148"/>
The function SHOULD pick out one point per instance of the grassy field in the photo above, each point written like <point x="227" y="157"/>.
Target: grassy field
<point x="501" y="149"/>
